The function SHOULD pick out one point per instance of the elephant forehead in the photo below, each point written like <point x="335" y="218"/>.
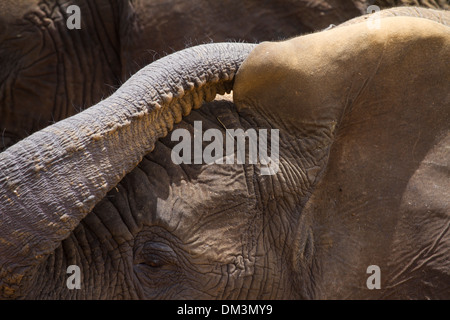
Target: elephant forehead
<point x="213" y="211"/>
<point x="208" y="208"/>
<point x="218" y="192"/>
<point x="209" y="205"/>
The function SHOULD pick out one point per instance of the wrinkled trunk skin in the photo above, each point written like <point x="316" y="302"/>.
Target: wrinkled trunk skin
<point x="113" y="135"/>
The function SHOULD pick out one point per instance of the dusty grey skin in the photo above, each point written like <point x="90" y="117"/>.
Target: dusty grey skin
<point x="100" y="191"/>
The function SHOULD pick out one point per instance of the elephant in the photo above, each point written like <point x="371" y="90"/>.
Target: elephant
<point x="49" y="72"/>
<point x="362" y="183"/>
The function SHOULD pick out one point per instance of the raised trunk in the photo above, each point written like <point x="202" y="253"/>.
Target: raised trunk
<point x="52" y="179"/>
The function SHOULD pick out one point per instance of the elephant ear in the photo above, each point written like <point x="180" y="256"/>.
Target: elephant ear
<point x="378" y="100"/>
<point x="52" y="179"/>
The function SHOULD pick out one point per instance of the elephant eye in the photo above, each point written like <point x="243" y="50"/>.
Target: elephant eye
<point x="157" y="255"/>
<point x="154" y="261"/>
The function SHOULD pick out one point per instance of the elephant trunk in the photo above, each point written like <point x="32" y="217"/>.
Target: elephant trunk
<point x="52" y="179"/>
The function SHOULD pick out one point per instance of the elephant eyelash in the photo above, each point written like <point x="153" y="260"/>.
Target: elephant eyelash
<point x="155" y="255"/>
<point x="156" y="262"/>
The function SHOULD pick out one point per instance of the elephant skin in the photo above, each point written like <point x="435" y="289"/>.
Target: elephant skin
<point x="363" y="180"/>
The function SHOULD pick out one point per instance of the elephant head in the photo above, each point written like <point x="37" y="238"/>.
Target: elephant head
<point x="363" y="135"/>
